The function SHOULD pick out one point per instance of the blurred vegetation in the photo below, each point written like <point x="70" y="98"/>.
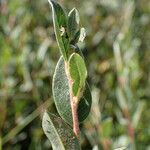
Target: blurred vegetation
<point x="117" y="51"/>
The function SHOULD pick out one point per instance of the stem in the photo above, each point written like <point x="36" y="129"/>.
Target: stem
<point x="129" y="125"/>
<point x="106" y="144"/>
<point x="74" y="108"/>
<point x="73" y="102"/>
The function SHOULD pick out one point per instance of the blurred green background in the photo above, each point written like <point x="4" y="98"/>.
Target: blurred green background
<point x="117" y="54"/>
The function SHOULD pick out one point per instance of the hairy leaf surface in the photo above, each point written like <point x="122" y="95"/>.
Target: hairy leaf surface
<point x="59" y="133"/>
<point x="62" y="97"/>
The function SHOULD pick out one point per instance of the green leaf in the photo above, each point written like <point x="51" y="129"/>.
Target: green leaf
<point x="73" y="22"/>
<point x="106" y="128"/>
<point x="78" y="73"/>
<point x="59" y="133"/>
<point x="84" y="106"/>
<point x="121" y="98"/>
<point x="60" y="26"/>
<point x="61" y="91"/>
<point x="76" y="38"/>
<point x="62" y="97"/>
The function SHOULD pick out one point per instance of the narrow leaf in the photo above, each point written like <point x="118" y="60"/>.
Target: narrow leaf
<point x="138" y="113"/>
<point x="62" y="98"/>
<point x="60" y="26"/>
<point x="82" y="34"/>
<point x="73" y="22"/>
<point x="121" y="98"/>
<point x="78" y="73"/>
<point x="59" y="133"/>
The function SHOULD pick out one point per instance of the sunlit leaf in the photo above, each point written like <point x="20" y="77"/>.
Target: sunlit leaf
<point x="82" y="34"/>
<point x="78" y="73"/>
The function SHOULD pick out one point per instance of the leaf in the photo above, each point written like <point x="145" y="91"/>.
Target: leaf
<point x="61" y="91"/>
<point x="106" y="128"/>
<point x="78" y="73"/>
<point x="59" y="133"/>
<point x="82" y="34"/>
<point x="84" y="106"/>
<point x="121" y="98"/>
<point x="138" y="113"/>
<point x="61" y="95"/>
<point x="121" y="148"/>
<point x="60" y="26"/>
<point x="73" y="22"/>
<point x="76" y="38"/>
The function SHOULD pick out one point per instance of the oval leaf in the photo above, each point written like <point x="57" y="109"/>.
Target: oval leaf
<point x="61" y="92"/>
<point x="60" y="26"/>
<point x="59" y="133"/>
<point x="61" y="95"/>
<point x="73" y="22"/>
<point x="78" y="73"/>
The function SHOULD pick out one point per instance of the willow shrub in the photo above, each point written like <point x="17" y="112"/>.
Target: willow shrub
<point x="71" y="91"/>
